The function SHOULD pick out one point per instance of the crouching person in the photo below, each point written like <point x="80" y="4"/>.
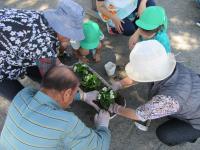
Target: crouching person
<point x="36" y="119"/>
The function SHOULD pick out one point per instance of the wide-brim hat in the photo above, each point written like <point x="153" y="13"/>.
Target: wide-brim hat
<point x="149" y="62"/>
<point x="67" y="19"/>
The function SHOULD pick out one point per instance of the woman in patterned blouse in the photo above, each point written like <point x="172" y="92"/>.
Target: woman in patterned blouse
<point x="30" y="38"/>
<point x="174" y="92"/>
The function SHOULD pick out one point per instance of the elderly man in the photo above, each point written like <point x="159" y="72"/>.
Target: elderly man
<point x="36" y="119"/>
<point x="30" y="38"/>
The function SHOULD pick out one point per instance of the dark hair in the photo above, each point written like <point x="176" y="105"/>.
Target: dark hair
<point x="154" y="30"/>
<point x="59" y="78"/>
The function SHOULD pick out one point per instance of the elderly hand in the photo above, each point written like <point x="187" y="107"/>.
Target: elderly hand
<point x="90" y="97"/>
<point x="114" y="108"/>
<point x="102" y="119"/>
<point x="116" y="85"/>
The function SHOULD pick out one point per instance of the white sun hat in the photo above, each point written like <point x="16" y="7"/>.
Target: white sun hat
<point x="149" y="62"/>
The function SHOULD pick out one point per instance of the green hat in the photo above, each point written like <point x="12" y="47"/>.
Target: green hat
<point x="92" y="34"/>
<point x="152" y="17"/>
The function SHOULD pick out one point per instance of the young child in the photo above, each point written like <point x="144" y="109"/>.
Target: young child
<point x="152" y="24"/>
<point x="91" y="45"/>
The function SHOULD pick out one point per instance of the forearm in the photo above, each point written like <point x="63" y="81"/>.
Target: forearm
<point x="128" y="113"/>
<point x="142" y="6"/>
<point x="126" y="82"/>
<point x="103" y="138"/>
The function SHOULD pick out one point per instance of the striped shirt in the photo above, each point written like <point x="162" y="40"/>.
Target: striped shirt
<point x="37" y="122"/>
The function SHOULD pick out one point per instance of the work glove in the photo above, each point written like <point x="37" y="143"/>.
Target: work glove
<point x="116" y="85"/>
<point x="114" y="108"/>
<point x="90" y="97"/>
<point x="102" y="119"/>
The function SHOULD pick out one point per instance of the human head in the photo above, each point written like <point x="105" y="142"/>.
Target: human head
<point x="66" y="19"/>
<point x="92" y="34"/>
<point x="60" y="84"/>
<point x="149" y="62"/>
<point x="152" y="18"/>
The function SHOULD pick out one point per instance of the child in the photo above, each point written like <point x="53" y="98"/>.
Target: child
<point x="152" y="24"/>
<point x="91" y="45"/>
<point x="120" y="15"/>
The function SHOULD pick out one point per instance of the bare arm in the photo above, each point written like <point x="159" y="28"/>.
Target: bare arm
<point x="126" y="82"/>
<point x="128" y="113"/>
<point x="142" y="7"/>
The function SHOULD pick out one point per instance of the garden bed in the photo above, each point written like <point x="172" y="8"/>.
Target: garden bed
<point x="90" y="80"/>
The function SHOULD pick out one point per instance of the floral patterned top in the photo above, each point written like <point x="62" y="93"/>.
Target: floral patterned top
<point x="25" y="37"/>
<point x="159" y="106"/>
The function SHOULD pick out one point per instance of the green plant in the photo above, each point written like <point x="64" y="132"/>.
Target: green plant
<point x="106" y="97"/>
<point x="80" y="69"/>
<point x="90" y="82"/>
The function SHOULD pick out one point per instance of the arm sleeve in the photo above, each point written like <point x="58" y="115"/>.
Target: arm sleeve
<point x="159" y="106"/>
<point x="82" y="137"/>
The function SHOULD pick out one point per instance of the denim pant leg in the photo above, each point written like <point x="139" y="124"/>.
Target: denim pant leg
<point x="175" y="131"/>
<point x="9" y="88"/>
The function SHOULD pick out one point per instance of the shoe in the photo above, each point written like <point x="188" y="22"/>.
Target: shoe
<point x="198" y="23"/>
<point x="143" y="125"/>
<point x="109" y="29"/>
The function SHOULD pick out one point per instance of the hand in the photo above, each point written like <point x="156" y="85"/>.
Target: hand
<point x="90" y="97"/>
<point x="116" y="85"/>
<point x="114" y="108"/>
<point x="133" y="39"/>
<point x="118" y="23"/>
<point x="102" y="119"/>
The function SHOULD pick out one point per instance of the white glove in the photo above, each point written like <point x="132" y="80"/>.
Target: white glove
<point x="102" y="119"/>
<point x="114" y="108"/>
<point x="90" y="97"/>
<point x="116" y="85"/>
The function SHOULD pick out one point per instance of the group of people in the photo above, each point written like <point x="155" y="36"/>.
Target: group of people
<point x="29" y="45"/>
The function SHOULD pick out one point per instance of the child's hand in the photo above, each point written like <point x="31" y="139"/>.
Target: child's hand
<point x="134" y="39"/>
<point x="114" y="108"/>
<point x="118" y="23"/>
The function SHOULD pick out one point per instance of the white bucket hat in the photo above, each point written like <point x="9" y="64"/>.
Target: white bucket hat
<point x="149" y="62"/>
<point x="67" y="19"/>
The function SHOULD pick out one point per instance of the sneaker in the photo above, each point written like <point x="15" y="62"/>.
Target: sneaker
<point x="143" y="125"/>
<point x="109" y="29"/>
<point x="198" y="23"/>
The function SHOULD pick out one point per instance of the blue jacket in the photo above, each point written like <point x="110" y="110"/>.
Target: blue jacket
<point x="37" y="122"/>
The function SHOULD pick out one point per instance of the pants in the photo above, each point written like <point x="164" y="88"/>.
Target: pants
<point x="175" y="131"/>
<point x="129" y="26"/>
<point x="9" y="88"/>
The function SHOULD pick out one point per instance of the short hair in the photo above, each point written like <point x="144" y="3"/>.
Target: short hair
<point x="59" y="78"/>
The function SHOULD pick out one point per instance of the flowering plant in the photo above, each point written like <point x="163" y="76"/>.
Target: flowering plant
<point x="80" y="69"/>
<point x="106" y="97"/>
<point x="90" y="82"/>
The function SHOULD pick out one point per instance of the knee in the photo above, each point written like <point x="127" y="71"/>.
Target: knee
<point x="165" y="137"/>
<point x="129" y="28"/>
<point x="150" y="3"/>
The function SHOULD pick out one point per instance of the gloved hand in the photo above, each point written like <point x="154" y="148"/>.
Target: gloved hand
<point x="116" y="85"/>
<point x="90" y="97"/>
<point x="102" y="119"/>
<point x="114" y="108"/>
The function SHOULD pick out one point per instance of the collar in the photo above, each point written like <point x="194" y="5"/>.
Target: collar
<point x="44" y="99"/>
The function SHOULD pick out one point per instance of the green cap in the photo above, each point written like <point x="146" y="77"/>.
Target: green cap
<point x="92" y="34"/>
<point x="152" y="17"/>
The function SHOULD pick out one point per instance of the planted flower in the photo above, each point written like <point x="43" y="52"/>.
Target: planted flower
<point x="91" y="82"/>
<point x="80" y="69"/>
<point x="106" y="97"/>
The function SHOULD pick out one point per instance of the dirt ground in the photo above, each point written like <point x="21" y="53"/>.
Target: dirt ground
<point x="184" y="36"/>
